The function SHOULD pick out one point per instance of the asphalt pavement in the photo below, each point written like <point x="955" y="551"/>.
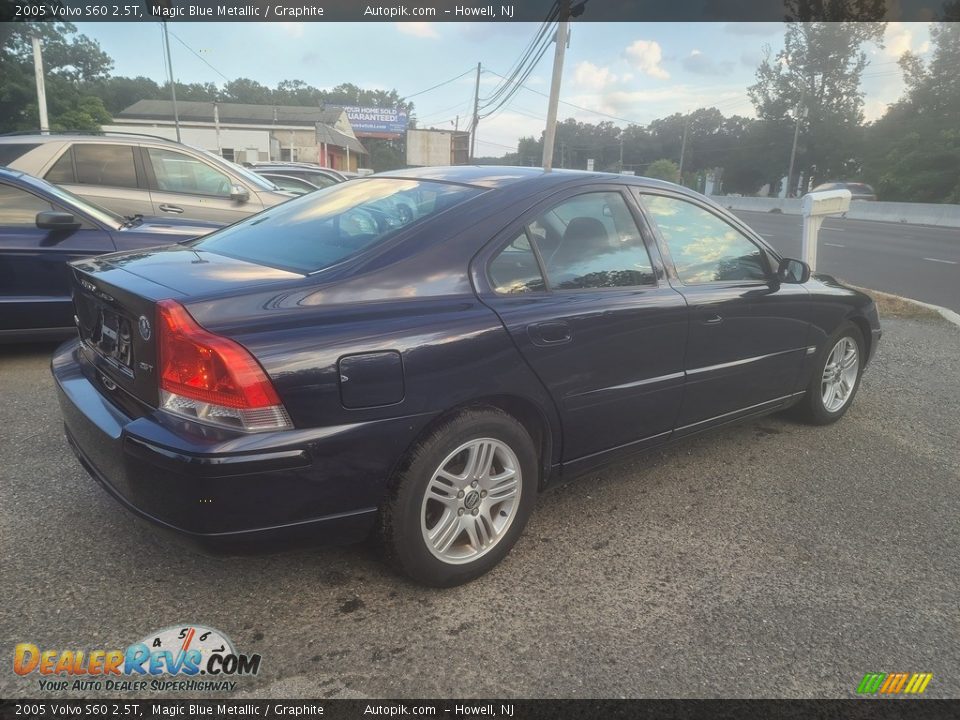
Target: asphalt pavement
<point x="771" y="559"/>
<point x="916" y="261"/>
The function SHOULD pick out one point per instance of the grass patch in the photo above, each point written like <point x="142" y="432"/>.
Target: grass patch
<point x="898" y="307"/>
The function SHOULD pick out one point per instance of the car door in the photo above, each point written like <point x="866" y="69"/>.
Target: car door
<point x="107" y="174"/>
<point x="748" y="332"/>
<point x="587" y="304"/>
<point x="34" y="278"/>
<point x="186" y="186"/>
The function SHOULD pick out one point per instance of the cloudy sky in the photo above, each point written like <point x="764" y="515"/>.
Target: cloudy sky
<point x="623" y="72"/>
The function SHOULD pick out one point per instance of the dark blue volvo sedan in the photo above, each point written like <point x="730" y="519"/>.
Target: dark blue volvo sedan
<point x="334" y="367"/>
<point x="42" y="228"/>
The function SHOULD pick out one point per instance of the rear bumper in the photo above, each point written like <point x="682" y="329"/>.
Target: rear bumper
<point x="215" y="487"/>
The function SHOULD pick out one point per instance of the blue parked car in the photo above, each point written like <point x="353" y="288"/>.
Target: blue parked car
<point x="42" y="228"/>
<point x="333" y="366"/>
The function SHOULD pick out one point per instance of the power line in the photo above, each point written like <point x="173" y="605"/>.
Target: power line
<point x="199" y="56"/>
<point x="434" y="87"/>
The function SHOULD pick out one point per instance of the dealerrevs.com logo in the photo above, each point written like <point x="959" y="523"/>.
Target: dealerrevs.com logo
<point x="181" y="657"/>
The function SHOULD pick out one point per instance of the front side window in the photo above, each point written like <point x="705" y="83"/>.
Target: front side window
<point x="704" y="247"/>
<point x="180" y="173"/>
<point x="104" y="165"/>
<point x="320" y="229"/>
<point x="20" y="208"/>
<point x="515" y="269"/>
<point x="592" y="241"/>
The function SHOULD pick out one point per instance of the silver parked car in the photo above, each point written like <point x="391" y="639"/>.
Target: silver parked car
<point x="143" y="175"/>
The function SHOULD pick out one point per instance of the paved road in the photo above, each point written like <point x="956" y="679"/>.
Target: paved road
<point x="915" y="261"/>
<point x="770" y="559"/>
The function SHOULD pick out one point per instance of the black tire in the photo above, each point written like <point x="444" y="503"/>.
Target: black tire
<point x="811" y="408"/>
<point x="401" y="531"/>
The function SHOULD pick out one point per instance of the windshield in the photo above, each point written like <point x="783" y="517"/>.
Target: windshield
<point x="107" y="217"/>
<point x="251" y="177"/>
<point x="323" y="228"/>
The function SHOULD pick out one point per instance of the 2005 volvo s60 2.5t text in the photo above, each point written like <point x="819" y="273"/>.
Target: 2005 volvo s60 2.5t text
<point x="334" y="367"/>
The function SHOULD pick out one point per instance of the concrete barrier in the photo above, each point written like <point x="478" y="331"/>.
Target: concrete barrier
<point x="940" y="215"/>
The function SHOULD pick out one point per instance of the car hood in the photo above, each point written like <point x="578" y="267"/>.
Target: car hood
<point x="172" y="226"/>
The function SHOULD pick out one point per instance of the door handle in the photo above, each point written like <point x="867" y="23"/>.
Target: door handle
<point x="175" y="209"/>
<point x="711" y="318"/>
<point x="550" y="333"/>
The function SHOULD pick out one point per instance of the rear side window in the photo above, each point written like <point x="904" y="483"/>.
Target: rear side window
<point x="592" y="241"/>
<point x="320" y="229"/>
<point x="11" y="151"/>
<point x="20" y="208"/>
<point x="515" y="269"/>
<point x="104" y="165"/>
<point x="62" y="170"/>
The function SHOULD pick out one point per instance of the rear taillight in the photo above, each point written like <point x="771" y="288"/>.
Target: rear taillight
<point x="212" y="379"/>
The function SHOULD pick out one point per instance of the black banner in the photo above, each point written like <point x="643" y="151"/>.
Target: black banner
<point x="469" y="10"/>
<point x="893" y="709"/>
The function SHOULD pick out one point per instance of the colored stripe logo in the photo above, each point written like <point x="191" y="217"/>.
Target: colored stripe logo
<point x="894" y="683"/>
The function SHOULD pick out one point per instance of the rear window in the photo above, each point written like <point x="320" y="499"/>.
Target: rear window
<point x="318" y="230"/>
<point x="12" y="151"/>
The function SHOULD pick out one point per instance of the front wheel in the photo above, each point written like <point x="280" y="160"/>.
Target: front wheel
<point x="836" y="377"/>
<point x="462" y="499"/>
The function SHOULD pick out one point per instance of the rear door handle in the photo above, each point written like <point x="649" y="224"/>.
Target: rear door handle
<point x="175" y="209"/>
<point x="711" y="318"/>
<point x="550" y="333"/>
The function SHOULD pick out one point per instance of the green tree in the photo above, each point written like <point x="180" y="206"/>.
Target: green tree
<point x="663" y="170"/>
<point x="914" y="149"/>
<point x="70" y="60"/>
<point x="817" y="76"/>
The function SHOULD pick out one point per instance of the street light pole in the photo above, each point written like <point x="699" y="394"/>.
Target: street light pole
<point x="41" y="87"/>
<point x="173" y="88"/>
<point x="476" y="115"/>
<point x="793" y="150"/>
<point x="550" y="133"/>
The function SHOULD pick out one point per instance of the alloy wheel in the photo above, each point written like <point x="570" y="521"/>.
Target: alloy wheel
<point x="471" y="501"/>
<point x="840" y="374"/>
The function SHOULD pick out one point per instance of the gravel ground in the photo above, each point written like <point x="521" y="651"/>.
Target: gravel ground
<point x="769" y="559"/>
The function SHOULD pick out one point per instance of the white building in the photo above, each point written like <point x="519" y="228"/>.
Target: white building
<point x="251" y="133"/>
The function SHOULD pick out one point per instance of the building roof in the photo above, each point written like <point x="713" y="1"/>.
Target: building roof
<point x="232" y="112"/>
<point x="191" y="111"/>
<point x="332" y="136"/>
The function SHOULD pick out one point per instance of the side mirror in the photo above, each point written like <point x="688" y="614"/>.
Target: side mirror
<point x="793" y="271"/>
<point x="238" y="193"/>
<point x="55" y="220"/>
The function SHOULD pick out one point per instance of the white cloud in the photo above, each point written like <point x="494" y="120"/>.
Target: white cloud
<point x="646" y="56"/>
<point x="906" y="37"/>
<point x="293" y="29"/>
<point x="417" y="29"/>
<point x="589" y="75"/>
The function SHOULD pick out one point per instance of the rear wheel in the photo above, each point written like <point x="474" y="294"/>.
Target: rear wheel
<point x="836" y="377"/>
<point x="462" y="499"/>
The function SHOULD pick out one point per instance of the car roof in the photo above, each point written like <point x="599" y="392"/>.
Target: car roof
<point x="87" y="137"/>
<point x="495" y="176"/>
<point x="11" y="174"/>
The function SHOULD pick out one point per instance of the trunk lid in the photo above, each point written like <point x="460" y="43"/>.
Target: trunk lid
<point x="115" y="300"/>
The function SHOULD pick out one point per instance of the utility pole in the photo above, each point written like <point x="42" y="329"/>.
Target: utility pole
<point x="796" y="134"/>
<point x="41" y="88"/>
<point x="620" y="164"/>
<point x="550" y="134"/>
<point x="476" y="115"/>
<point x="173" y="88"/>
<point x="683" y="145"/>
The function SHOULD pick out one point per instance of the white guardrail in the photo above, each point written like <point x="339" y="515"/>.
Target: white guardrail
<point x="909" y="213"/>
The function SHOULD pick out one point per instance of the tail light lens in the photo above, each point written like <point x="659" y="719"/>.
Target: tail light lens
<point x="212" y="379"/>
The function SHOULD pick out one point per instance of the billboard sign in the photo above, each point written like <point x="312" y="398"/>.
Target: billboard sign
<point x="377" y="122"/>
